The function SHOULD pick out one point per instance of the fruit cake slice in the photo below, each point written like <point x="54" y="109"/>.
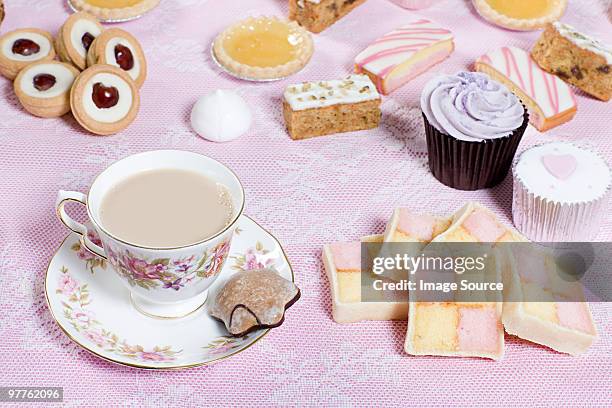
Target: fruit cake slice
<point x="550" y="101"/>
<point x="469" y="329"/>
<point x="326" y="107"/>
<point x="317" y="15"/>
<point x="342" y="261"/>
<point x="576" y="58"/>
<point x="542" y="307"/>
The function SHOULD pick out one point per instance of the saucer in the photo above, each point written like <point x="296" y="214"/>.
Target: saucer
<point x="93" y="307"/>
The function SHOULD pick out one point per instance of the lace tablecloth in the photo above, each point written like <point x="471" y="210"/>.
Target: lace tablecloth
<point x="307" y="193"/>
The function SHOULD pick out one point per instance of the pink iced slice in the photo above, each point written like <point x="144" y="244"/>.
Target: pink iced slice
<point x="574" y="315"/>
<point x="483" y="226"/>
<point x="347" y="255"/>
<point x="420" y="226"/>
<point x="478" y="329"/>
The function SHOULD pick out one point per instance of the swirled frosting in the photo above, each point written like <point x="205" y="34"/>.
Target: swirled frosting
<point x="471" y="106"/>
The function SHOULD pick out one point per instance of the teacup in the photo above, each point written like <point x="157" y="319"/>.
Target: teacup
<point x="167" y="282"/>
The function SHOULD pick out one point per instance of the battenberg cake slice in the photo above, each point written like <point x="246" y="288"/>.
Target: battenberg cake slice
<point x="550" y="101"/>
<point x="320" y="108"/>
<point x="464" y="329"/>
<point x="405" y="53"/>
<point x="576" y="58"/>
<point x="317" y="15"/>
<point x="342" y="261"/>
<point x="541" y="306"/>
<point x="407" y="226"/>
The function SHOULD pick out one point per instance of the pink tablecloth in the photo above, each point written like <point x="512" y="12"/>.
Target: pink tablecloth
<point x="307" y="193"/>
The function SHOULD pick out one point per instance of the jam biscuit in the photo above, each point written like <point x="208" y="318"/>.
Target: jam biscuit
<point x="43" y="88"/>
<point x="104" y="99"/>
<point x="121" y="49"/>
<point x="75" y="38"/>
<point x="20" y="48"/>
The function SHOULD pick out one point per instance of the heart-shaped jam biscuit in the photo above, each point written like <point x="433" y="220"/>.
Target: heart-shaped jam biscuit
<point x="114" y="10"/>
<point x="560" y="166"/>
<point x="75" y="38"/>
<point x="20" y="48"/>
<point x="119" y="48"/>
<point x="43" y="88"/>
<point x="104" y="99"/>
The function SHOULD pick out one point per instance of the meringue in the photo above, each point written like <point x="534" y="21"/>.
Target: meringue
<point x="221" y="116"/>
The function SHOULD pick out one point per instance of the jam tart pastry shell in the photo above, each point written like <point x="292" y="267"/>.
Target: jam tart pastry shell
<point x="265" y="73"/>
<point x="84" y="119"/>
<point x="9" y="68"/>
<point x="483" y="8"/>
<point x="52" y="107"/>
<point x="115" y="14"/>
<point x="97" y="52"/>
<point x="65" y="50"/>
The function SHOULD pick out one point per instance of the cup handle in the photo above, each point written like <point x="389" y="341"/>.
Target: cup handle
<point x="64" y="197"/>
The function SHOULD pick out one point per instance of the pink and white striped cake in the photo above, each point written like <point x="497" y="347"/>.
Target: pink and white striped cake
<point x="405" y="53"/>
<point x="551" y="102"/>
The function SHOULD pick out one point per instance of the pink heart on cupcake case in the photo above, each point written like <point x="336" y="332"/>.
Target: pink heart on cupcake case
<point x="560" y="166"/>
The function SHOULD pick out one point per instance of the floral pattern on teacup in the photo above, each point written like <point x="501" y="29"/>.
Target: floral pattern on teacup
<point x="92" y="261"/>
<point x="75" y="301"/>
<point x="165" y="272"/>
<point x="254" y="258"/>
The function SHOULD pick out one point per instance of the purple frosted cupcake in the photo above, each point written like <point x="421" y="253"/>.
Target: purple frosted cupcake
<point x="473" y="126"/>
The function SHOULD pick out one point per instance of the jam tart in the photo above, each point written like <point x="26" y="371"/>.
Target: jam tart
<point x="104" y="99"/>
<point x="20" y="48"/>
<point x="114" y="10"/>
<point x="263" y="48"/>
<point x="43" y="88"/>
<point x="75" y="38"/>
<point x="521" y="15"/>
<point x="119" y="48"/>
